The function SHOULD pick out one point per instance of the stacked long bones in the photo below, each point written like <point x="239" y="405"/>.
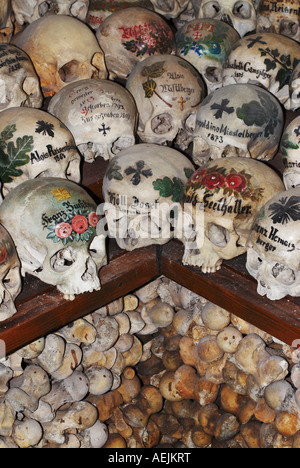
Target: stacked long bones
<point x="190" y="87"/>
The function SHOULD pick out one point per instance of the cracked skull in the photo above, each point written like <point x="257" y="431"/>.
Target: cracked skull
<point x="53" y="224"/>
<point x="168" y="92"/>
<point x="101" y="115"/>
<point x="241" y="120"/>
<point x="10" y="277"/>
<point x="32" y="10"/>
<point x="279" y="17"/>
<point x="290" y="151"/>
<point x="63" y="49"/>
<point x="35" y="144"/>
<point x="231" y="191"/>
<point x="141" y="187"/>
<point x="273" y="257"/>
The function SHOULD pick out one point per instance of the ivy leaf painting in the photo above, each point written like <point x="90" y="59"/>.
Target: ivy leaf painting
<point x="287" y="144"/>
<point x="12" y="156"/>
<point x="285" y="210"/>
<point x="170" y="188"/>
<point x="154" y="71"/>
<point x="188" y="172"/>
<point x="113" y="171"/>
<point x="149" y="88"/>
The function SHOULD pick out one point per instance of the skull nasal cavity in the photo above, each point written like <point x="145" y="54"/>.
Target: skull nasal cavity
<point x="69" y="72"/>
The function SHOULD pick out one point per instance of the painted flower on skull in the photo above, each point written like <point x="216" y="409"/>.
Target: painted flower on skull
<point x="3" y="255"/>
<point x="80" y="227"/>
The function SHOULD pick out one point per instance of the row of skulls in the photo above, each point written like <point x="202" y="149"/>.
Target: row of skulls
<point x="140" y="94"/>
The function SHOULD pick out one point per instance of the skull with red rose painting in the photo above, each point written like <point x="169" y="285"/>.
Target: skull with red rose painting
<point x="140" y="188"/>
<point x="6" y="21"/>
<point x="35" y="144"/>
<point x="231" y="191"/>
<point x="53" y="224"/>
<point x="168" y="91"/>
<point x="63" y="49"/>
<point x="129" y="36"/>
<point x="290" y="151"/>
<point x="279" y="17"/>
<point x="101" y="115"/>
<point x="10" y="277"/>
<point x="240" y="14"/>
<point x="241" y="120"/>
<point x="273" y="247"/>
<point x="32" y="10"/>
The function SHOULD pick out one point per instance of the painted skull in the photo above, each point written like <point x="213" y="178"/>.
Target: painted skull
<point x="129" y="36"/>
<point x="168" y="92"/>
<point x="241" y="120"/>
<point x="279" y="17"/>
<point x="99" y="10"/>
<point x="10" y="277"/>
<point x="205" y="43"/>
<point x="19" y="83"/>
<point x="290" y="151"/>
<point x="170" y="9"/>
<point x="240" y="14"/>
<point x="231" y="191"/>
<point x="101" y="115"/>
<point x="294" y="103"/>
<point x="265" y="59"/>
<point x="140" y="187"/>
<point x="6" y="22"/>
<point x="31" y="10"/>
<point x="53" y="224"/>
<point x="273" y="248"/>
<point x="34" y="144"/>
<point x="63" y="49"/>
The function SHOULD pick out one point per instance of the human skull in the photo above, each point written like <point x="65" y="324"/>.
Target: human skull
<point x="129" y="36"/>
<point x="265" y="59"/>
<point x="273" y="247"/>
<point x="231" y="191"/>
<point x="168" y="92"/>
<point x="140" y="188"/>
<point x="6" y="21"/>
<point x="34" y="143"/>
<point x="238" y="120"/>
<point x="279" y="17"/>
<point x="63" y="50"/>
<point x="31" y="10"/>
<point x="99" y="10"/>
<point x="185" y="17"/>
<point x="240" y="14"/>
<point x="53" y="224"/>
<point x="294" y="103"/>
<point x="19" y="83"/>
<point x="205" y="43"/>
<point x="101" y="115"/>
<point x="170" y="9"/>
<point x="290" y="151"/>
<point x="10" y="277"/>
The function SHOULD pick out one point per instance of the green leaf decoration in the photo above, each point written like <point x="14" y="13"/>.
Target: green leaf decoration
<point x="188" y="172"/>
<point x="12" y="157"/>
<point x="252" y="113"/>
<point x="287" y="144"/>
<point x="149" y="88"/>
<point x="113" y="171"/>
<point x="154" y="71"/>
<point x="170" y="188"/>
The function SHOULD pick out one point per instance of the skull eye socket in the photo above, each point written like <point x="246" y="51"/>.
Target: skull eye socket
<point x="162" y="123"/>
<point x="242" y="10"/>
<point x="44" y="8"/>
<point x="288" y="28"/>
<point x="211" y="9"/>
<point x="69" y="72"/>
<point x="63" y="260"/>
<point x="283" y="274"/>
<point x="213" y="74"/>
<point x="254" y="261"/>
<point x="218" y="235"/>
<point x="190" y="123"/>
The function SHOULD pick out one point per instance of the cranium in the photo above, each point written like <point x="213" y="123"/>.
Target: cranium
<point x="31" y="10"/>
<point x="129" y="36"/>
<point x="10" y="277"/>
<point x="185" y="17"/>
<point x="101" y="115"/>
<point x="294" y="102"/>
<point x="101" y="9"/>
<point x="290" y="150"/>
<point x="205" y="43"/>
<point x="168" y="92"/>
<point x="238" y="120"/>
<point x="265" y="59"/>
<point x="19" y="83"/>
<point x="279" y="17"/>
<point x="240" y="14"/>
<point x="63" y="50"/>
<point x="231" y="191"/>
<point x="53" y="224"/>
<point x="170" y="9"/>
<point x="273" y="247"/>
<point x="34" y="143"/>
<point x="141" y="186"/>
<point x="6" y="21"/>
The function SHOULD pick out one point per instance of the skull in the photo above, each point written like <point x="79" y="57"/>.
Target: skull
<point x="101" y="115"/>
<point x="31" y="10"/>
<point x="63" y="50"/>
<point x="168" y="92"/>
<point x="263" y="59"/>
<point x="231" y="191"/>
<point x="10" y="278"/>
<point x="273" y="246"/>
<point x="185" y="17"/>
<point x="241" y="120"/>
<point x="170" y="9"/>
<point x="240" y="14"/>
<point x="129" y="36"/>
<point x="6" y="21"/>
<point x="34" y="144"/>
<point x="290" y="150"/>
<point x="99" y="10"/>
<point x="53" y="224"/>
<point x="279" y="17"/>
<point x="294" y="103"/>
<point x="205" y="43"/>
<point x="141" y="186"/>
<point x="19" y="83"/>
